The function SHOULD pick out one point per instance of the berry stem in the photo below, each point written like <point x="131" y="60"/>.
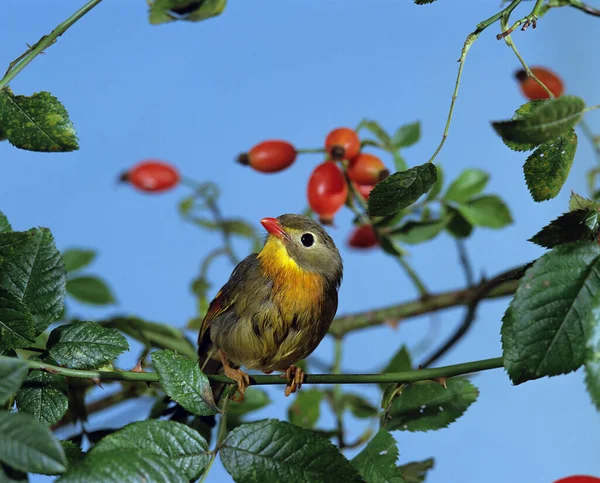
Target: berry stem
<point x="310" y="150"/>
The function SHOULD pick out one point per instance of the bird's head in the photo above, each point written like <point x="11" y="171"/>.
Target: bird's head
<point x="306" y="243"/>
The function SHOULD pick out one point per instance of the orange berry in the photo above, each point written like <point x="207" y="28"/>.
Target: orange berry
<point x="363" y="237"/>
<point x="152" y="176"/>
<point x="269" y="156"/>
<point x="342" y="143"/>
<point x="327" y="191"/>
<point x="367" y="169"/>
<point x="364" y="189"/>
<point x="532" y="90"/>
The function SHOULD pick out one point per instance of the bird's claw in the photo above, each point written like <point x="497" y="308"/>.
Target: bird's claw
<point x="242" y="380"/>
<point x="295" y="377"/>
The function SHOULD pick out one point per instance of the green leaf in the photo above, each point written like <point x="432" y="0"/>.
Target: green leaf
<point x="270" y="450"/>
<point x="153" y="334"/>
<point x="28" y="445"/>
<point x="488" y="210"/>
<point x="85" y="345"/>
<point x="305" y="409"/>
<point x="549" y="120"/>
<point x="72" y="451"/>
<point x="123" y="465"/>
<point x="182" y="446"/>
<point x="377" y="462"/>
<point x="10" y="475"/>
<point x="44" y="396"/>
<point x="544" y="330"/>
<point x="184" y="382"/>
<point x="4" y="224"/>
<point x="407" y="135"/>
<point x="12" y="374"/>
<point x="414" y="232"/>
<point x="90" y="290"/>
<point x="399" y="161"/>
<point x="427" y="405"/>
<point x="399" y="363"/>
<point x="401" y="189"/>
<point x="436" y="189"/>
<point x="254" y="399"/>
<point x="577" y="202"/>
<point x="162" y="11"/>
<point x="32" y="269"/>
<point x="416" y="471"/>
<point x="378" y="131"/>
<point x="458" y="226"/>
<point x="16" y="323"/>
<point x="37" y="123"/>
<point x="359" y="406"/>
<point x="592" y="364"/>
<point x="521" y="113"/>
<point x="469" y="183"/>
<point x="569" y="227"/>
<point x="547" y="169"/>
<point x="76" y="258"/>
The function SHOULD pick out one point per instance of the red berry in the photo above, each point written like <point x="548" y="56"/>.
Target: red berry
<point x="363" y="237"/>
<point x="327" y="191"/>
<point x="367" y="169"/>
<point x="152" y="176"/>
<point x="579" y="479"/>
<point x="364" y="189"/>
<point x="269" y="156"/>
<point x="342" y="143"/>
<point x="532" y="90"/>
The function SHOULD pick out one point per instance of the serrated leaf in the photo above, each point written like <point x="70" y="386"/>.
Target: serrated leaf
<point x="279" y="451"/>
<point x="469" y="183"/>
<point x="182" y="446"/>
<point x="407" y="135"/>
<point x="28" y="445"/>
<point x="553" y="118"/>
<point x="163" y="11"/>
<point x="577" y="202"/>
<point x="77" y="258"/>
<point x="377" y="462"/>
<point x="569" y="227"/>
<point x="436" y="189"/>
<point x="16" y="323"/>
<point x="488" y="211"/>
<point x="414" y="232"/>
<point x="123" y="465"/>
<point x="545" y="329"/>
<point x="377" y="130"/>
<point x="592" y="363"/>
<point x="521" y="113"/>
<point x="305" y="409"/>
<point x="548" y="167"/>
<point x="153" y="334"/>
<point x="44" y="396"/>
<point x="85" y="345"/>
<point x="401" y="189"/>
<point x="416" y="471"/>
<point x="37" y="123"/>
<point x="359" y="406"/>
<point x="427" y="405"/>
<point x="400" y="362"/>
<point x="13" y="372"/>
<point x="458" y="226"/>
<point x="90" y="290"/>
<point x="32" y="269"/>
<point x="4" y="224"/>
<point x="184" y="382"/>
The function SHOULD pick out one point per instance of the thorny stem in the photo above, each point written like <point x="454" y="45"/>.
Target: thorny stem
<point x="46" y="41"/>
<point x="260" y="380"/>
<point x="221" y="433"/>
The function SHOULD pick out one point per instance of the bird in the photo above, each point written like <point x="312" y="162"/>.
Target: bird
<point x="277" y="305"/>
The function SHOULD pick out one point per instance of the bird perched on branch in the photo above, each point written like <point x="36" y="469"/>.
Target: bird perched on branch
<point x="277" y="305"/>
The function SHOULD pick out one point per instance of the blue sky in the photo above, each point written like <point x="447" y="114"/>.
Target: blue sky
<point x="198" y="94"/>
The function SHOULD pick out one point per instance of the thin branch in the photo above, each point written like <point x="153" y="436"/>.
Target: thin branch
<point x="465" y="262"/>
<point x="46" y="41"/>
<point x="221" y="433"/>
<point x="259" y="380"/>
<point x="434" y="302"/>
<point x="585" y="8"/>
<point x="336" y="401"/>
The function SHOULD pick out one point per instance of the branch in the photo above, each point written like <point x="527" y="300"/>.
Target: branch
<point x="46" y="41"/>
<point x="348" y="323"/>
<point x="388" y="378"/>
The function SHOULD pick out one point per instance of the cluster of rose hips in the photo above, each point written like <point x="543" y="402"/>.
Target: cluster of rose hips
<point x="327" y="188"/>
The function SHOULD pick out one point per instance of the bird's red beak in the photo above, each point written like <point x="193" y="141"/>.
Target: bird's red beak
<point x="273" y="227"/>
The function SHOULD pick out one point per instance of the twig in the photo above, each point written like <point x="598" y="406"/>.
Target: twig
<point x="46" y="41"/>
<point x="526" y="22"/>
<point x="221" y="433"/>
<point x="336" y="403"/>
<point x="585" y="8"/>
<point x="465" y="262"/>
<point x="414" y="277"/>
<point x="388" y="378"/>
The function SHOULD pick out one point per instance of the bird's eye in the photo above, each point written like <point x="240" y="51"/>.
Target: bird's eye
<point x="307" y="239"/>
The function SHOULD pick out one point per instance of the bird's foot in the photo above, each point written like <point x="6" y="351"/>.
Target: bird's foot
<point x="295" y="377"/>
<point x="242" y="380"/>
